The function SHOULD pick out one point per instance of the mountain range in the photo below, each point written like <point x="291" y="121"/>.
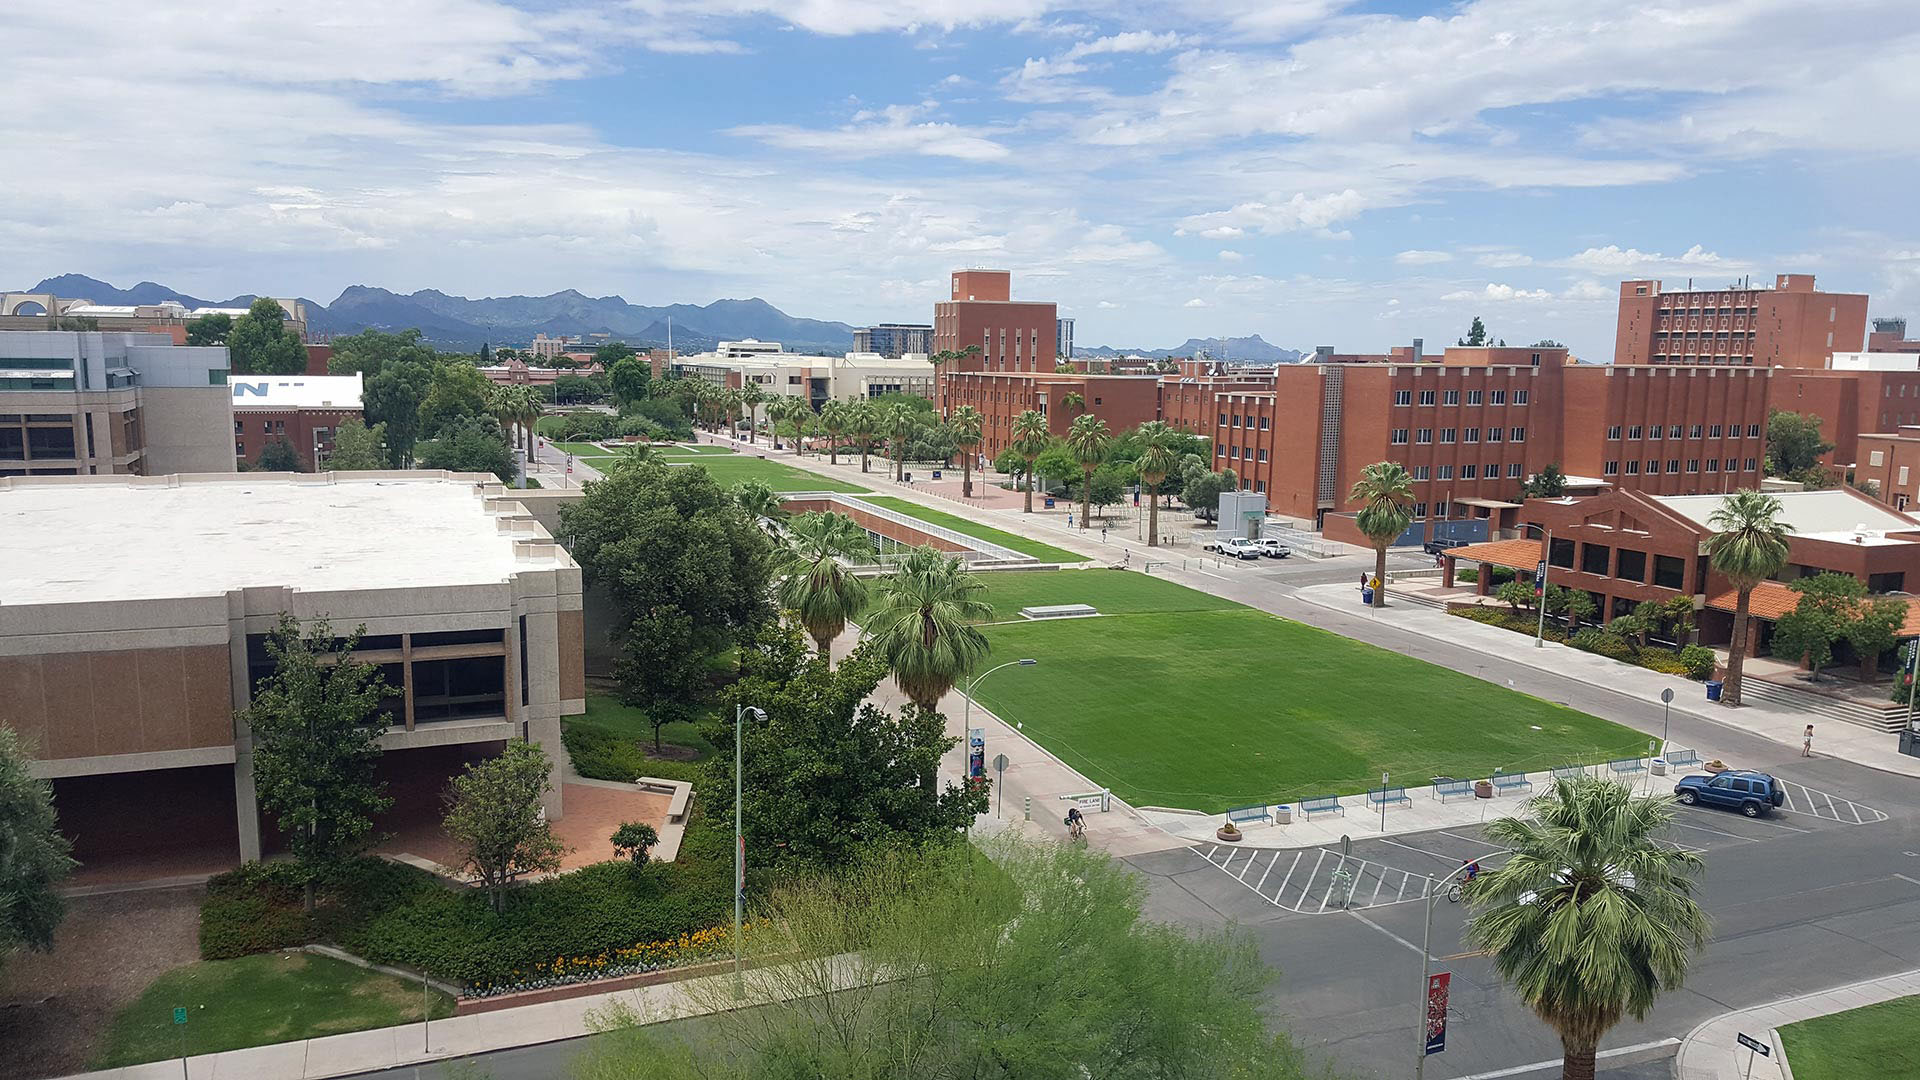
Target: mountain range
<point x="464" y="323"/>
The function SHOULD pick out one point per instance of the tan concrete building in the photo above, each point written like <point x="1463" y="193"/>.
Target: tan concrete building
<point x="134" y="613"/>
<point x="92" y="403"/>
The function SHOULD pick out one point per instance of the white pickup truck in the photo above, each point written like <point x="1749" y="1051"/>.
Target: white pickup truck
<point x="1237" y="547"/>
<point x="1272" y="549"/>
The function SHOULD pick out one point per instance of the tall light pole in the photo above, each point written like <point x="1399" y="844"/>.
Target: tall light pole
<point x="1546" y="568"/>
<point x="739" y="837"/>
<point x="1426" y="970"/>
<point x="967" y="713"/>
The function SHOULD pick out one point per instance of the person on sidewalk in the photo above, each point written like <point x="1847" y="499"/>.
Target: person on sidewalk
<point x="1806" y="742"/>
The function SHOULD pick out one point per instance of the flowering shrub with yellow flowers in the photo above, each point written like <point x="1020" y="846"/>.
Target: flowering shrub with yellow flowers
<point x="689" y="948"/>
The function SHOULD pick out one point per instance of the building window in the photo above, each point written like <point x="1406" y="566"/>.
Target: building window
<point x="1471" y="435"/>
<point x="1223" y="419"/>
<point x="1673" y="465"/>
<point x="1233" y="452"/>
<point x="1694" y="431"/>
<point x="1520" y="397"/>
<point x="1399" y="437"/>
<point x="1446" y="435"/>
<point x="1420" y="472"/>
<point x="1219" y="449"/>
<point x="1236" y="419"/>
<point x="1713" y="464"/>
<point x="1633" y="468"/>
<point x="1613" y="432"/>
<point x="1473" y="397"/>
<point x="1653" y="467"/>
<point x="1513" y="470"/>
<point x="1419" y="510"/>
<point x="237" y="429"/>
<point x="1593" y="559"/>
<point x="1693" y="464"/>
<point x="1669" y="571"/>
<point x="1423" y="436"/>
<point x="1494" y="434"/>
<point x="1752" y="464"/>
<point x="1753" y="431"/>
<point x="1560" y="553"/>
<point x="1633" y="432"/>
<point x="1263" y="423"/>
<point x="1611" y="468"/>
<point x="1445" y="473"/>
<point x="1469" y="472"/>
<point x="1263" y="455"/>
<point x="1260" y="485"/>
<point x="1499" y="397"/>
<point x="1450" y="397"/>
<point x="1631" y="565"/>
<point x="1403" y="397"/>
<point x="1426" y="397"/>
<point x="1518" y="434"/>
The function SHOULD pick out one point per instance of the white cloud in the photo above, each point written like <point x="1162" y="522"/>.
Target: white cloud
<point x="1300" y="211"/>
<point x="1417" y="257"/>
<point x="891" y="130"/>
<point x="1590" y="290"/>
<point x="1108" y="305"/>
<point x="1497" y="293"/>
<point x="1229" y="255"/>
<point x="1133" y="41"/>
<point x="1501" y="260"/>
<point x="1614" y="259"/>
<point x="1196" y="302"/>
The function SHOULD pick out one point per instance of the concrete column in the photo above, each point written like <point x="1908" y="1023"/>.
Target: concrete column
<point x="246" y="802"/>
<point x="1484" y="586"/>
<point x="1446" y="573"/>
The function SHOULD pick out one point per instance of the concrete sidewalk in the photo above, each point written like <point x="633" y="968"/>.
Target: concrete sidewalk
<point x="1833" y="738"/>
<point x="1711" y="1051"/>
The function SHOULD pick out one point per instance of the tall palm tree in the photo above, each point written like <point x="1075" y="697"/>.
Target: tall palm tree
<point x="1074" y="403"/>
<point x="1749" y="545"/>
<point x="530" y="407"/>
<point x="760" y="502"/>
<point x="833" y="421"/>
<point x="815" y="583"/>
<point x="967" y="426"/>
<point x="897" y="423"/>
<point x="923" y="617"/>
<point x="497" y="399"/>
<point x="1592" y="917"/>
<point x="1088" y="440"/>
<point x="1031" y="437"/>
<point x="1385" y="492"/>
<point x="863" y="423"/>
<point x="731" y="404"/>
<point x="633" y="455"/>
<point x="1155" y="463"/>
<point x="752" y="397"/>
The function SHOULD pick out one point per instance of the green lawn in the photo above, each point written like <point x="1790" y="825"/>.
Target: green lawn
<point x="730" y="470"/>
<point x="1876" y="1040"/>
<point x="1183" y="699"/>
<point x="581" y="449"/>
<point x="256" y="1000"/>
<point x="1025" y="546"/>
<point x="605" y="711"/>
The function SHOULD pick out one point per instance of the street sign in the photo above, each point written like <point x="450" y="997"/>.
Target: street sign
<point x="1000" y="763"/>
<point x="1437" y="984"/>
<point x="180" y="1015"/>
<point x="1666" y="695"/>
<point x="1346" y="845"/>
<point x="1754" y="1045"/>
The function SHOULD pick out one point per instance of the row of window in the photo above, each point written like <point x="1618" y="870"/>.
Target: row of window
<point x="1452" y="397"/>
<point x="1612" y="468"/>
<point x="1232" y="453"/>
<point x="1237" y="418"/>
<point x="1491" y="471"/>
<point x="1677" y="431"/>
<point x="1423" y="436"/>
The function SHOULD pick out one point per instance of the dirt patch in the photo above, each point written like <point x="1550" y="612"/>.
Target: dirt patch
<point x="54" y="1007"/>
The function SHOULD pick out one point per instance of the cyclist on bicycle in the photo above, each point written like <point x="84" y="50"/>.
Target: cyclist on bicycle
<point x="1473" y="868"/>
<point x="1076" y="823"/>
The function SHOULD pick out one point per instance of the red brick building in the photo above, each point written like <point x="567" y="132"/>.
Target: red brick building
<point x="1011" y="335"/>
<point x="1790" y="325"/>
<point x="303" y="410"/>
<point x="1123" y="401"/>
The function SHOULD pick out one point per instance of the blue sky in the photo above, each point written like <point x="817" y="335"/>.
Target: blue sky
<point x="1318" y="172"/>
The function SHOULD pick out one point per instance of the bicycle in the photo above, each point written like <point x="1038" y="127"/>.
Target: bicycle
<point x="1077" y="830"/>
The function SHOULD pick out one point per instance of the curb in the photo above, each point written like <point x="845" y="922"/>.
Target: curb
<point x="1693" y="1042"/>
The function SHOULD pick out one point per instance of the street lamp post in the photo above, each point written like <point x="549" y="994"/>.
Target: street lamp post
<point x="1546" y="566"/>
<point x="967" y="712"/>
<point x="1426" y="970"/>
<point x="739" y="837"/>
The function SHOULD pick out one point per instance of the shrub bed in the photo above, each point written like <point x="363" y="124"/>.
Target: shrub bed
<point x="1693" y="661"/>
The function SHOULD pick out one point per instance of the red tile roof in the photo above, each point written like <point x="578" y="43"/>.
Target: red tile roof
<point x="1771" y="600"/>
<point x="1513" y="554"/>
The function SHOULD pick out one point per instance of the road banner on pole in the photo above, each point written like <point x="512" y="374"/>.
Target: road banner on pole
<point x="1437" y="984"/>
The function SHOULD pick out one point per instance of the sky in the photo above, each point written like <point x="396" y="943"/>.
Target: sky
<point x="1319" y="172"/>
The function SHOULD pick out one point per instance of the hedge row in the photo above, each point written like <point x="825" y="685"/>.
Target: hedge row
<point x="1693" y="661"/>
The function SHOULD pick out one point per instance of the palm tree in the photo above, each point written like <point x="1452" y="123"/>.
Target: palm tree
<point x="863" y="422"/>
<point x="731" y="403"/>
<point x="752" y="397"/>
<point x="761" y="503"/>
<point x="497" y="399"/>
<point x="967" y="426"/>
<point x="1088" y="440"/>
<point x="897" y="422"/>
<point x="1155" y="463"/>
<point x="833" y="421"/>
<point x="633" y="455"/>
<point x="815" y="584"/>
<point x="1074" y="404"/>
<point x="531" y="406"/>
<point x="1030" y="439"/>
<point x="923" y="617"/>
<point x="1749" y="546"/>
<point x="1592" y="917"/>
<point x="1385" y="490"/>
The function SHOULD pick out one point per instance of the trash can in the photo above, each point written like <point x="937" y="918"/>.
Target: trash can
<point x="1049" y="504"/>
<point x="1659" y="766"/>
<point x="936" y="474"/>
<point x="1283" y="814"/>
<point x="1714" y="686"/>
<point x="1366" y="597"/>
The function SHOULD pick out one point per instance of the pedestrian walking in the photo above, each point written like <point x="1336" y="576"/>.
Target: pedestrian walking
<point x="1069" y="519"/>
<point x="1806" y="742"/>
<point x="1103" y="534"/>
<point x="1363" y="583"/>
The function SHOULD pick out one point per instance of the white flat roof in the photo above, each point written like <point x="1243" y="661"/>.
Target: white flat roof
<point x="1824" y="515"/>
<point x="295" y="391"/>
<point x="90" y="541"/>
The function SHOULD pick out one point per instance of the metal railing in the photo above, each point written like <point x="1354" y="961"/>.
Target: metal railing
<point x="1304" y="542"/>
<point x="972" y="546"/>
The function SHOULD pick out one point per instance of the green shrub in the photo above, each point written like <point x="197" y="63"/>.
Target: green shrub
<point x="1604" y="642"/>
<point x="1469" y="575"/>
<point x="1698" y="662"/>
<point x="256" y="908"/>
<point x="599" y="754"/>
<point x="586" y="427"/>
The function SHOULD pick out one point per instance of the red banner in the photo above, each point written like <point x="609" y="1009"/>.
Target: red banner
<point x="1437" y="1011"/>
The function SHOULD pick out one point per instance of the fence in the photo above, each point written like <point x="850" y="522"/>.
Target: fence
<point x="1305" y="543"/>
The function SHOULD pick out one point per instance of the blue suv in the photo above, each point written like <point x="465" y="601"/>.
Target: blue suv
<point x="1751" y="793"/>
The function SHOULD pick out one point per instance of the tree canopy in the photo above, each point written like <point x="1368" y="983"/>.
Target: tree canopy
<point x="1794" y="447"/>
<point x="494" y="818"/>
<point x="210" y="329"/>
<point x="1476" y="334"/>
<point x="628" y="378"/>
<point x="357" y="447"/>
<point x="279" y="456"/>
<point x="34" y="855"/>
<point x="262" y="343"/>
<point x="470" y="444"/>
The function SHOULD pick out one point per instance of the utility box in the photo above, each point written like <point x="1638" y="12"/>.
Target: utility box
<point x="1242" y="513"/>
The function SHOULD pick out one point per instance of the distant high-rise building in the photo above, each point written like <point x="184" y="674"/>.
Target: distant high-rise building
<point x="1063" y="339"/>
<point x="1010" y="335"/>
<point x="1790" y="325"/>
<point x="894" y="340"/>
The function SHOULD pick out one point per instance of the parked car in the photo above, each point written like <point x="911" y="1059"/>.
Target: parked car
<point x="1273" y="549"/>
<point x="1435" y="547"/>
<point x="1237" y="547"/>
<point x="1751" y="793"/>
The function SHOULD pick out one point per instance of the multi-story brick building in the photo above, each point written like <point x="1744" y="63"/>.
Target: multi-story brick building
<point x="301" y="410"/>
<point x="1790" y="325"/>
<point x="1011" y="335"/>
<point x="1889" y="335"/>
<point x="1123" y="401"/>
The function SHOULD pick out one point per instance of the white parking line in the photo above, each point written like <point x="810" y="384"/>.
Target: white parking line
<point x="1251" y="856"/>
<point x="1283" y="881"/>
<point x="1262" y="883"/>
<point x="1716" y="832"/>
<point x="1306" y="886"/>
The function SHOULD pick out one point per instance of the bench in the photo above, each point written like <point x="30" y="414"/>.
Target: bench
<point x="1511" y="781"/>
<point x="1683" y="758"/>
<point x="1569" y="772"/>
<point x="1386" y="795"/>
<point x="1445" y="789"/>
<point x="1626" y="766"/>
<point x="1321" y="803"/>
<point x="678" y="793"/>
<point x="1249" y="813"/>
